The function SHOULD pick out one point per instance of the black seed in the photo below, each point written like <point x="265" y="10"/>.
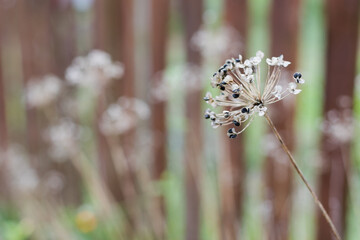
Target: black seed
<point x="206" y="99"/>
<point x="236" y="123"/>
<point x="233" y="136"/>
<point x="297" y="75"/>
<point x="236" y="90"/>
<point x="223" y="83"/>
<point x="237" y="60"/>
<point x="214" y="74"/>
<point x="236" y="95"/>
<point x="230" y="130"/>
<point x="222" y="88"/>
<point x="207" y="116"/>
<point x="245" y="110"/>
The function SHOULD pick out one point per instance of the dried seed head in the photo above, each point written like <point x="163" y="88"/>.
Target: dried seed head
<point x="42" y="92"/>
<point x="94" y="71"/>
<point x="239" y="82"/>
<point x="123" y="116"/>
<point x="340" y="124"/>
<point x="63" y="139"/>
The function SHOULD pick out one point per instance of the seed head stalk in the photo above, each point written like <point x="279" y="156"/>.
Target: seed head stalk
<point x="293" y="162"/>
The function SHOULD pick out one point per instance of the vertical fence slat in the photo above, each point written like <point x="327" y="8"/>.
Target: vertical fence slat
<point x="35" y="44"/>
<point x="127" y="47"/>
<point x="232" y="169"/>
<point x="3" y="123"/>
<point x="3" y="128"/>
<point x="62" y="27"/>
<point x="192" y="18"/>
<point x="62" y="43"/>
<point x="342" y="36"/>
<point x="159" y="23"/>
<point x="284" y="27"/>
<point x="102" y="28"/>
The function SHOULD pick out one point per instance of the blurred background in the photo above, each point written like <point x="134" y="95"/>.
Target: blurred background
<point x="102" y="133"/>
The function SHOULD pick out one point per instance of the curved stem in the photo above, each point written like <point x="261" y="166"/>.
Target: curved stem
<point x="293" y="162"/>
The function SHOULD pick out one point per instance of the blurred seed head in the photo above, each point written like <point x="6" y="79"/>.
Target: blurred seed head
<point x="241" y="91"/>
<point x="123" y="115"/>
<point x="43" y="91"/>
<point x="192" y="78"/>
<point x="339" y="124"/>
<point x="160" y="88"/>
<point x="94" y="71"/>
<point x="214" y="43"/>
<point x="54" y="182"/>
<point x="23" y="177"/>
<point x="63" y="139"/>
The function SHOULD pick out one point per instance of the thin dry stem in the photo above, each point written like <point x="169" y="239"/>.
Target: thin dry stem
<point x="293" y="162"/>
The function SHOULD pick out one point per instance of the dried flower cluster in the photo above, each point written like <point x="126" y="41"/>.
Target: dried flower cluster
<point x="123" y="115"/>
<point x="63" y="138"/>
<point x="23" y="176"/>
<point x="41" y="92"/>
<point x="339" y="126"/>
<point x="95" y="70"/>
<point x="241" y="94"/>
<point x="211" y="44"/>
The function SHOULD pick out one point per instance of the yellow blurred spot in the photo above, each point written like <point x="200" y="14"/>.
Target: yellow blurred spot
<point x="86" y="221"/>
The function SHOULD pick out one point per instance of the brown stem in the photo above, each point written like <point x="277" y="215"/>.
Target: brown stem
<point x="293" y="162"/>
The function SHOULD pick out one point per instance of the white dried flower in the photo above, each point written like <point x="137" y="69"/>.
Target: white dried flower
<point x="160" y="88"/>
<point x="239" y="82"/>
<point x="42" y="92"/>
<point x="277" y="91"/>
<point x="94" y="71"/>
<point x="218" y="42"/>
<point x="339" y="126"/>
<point x="293" y="88"/>
<point x="123" y="116"/>
<point x="23" y="177"/>
<point x="63" y="139"/>
<point x="277" y="61"/>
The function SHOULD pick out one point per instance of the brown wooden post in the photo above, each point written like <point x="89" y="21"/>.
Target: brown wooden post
<point x="102" y="41"/>
<point x="63" y="35"/>
<point x="232" y="169"/>
<point x="3" y="123"/>
<point x="38" y="22"/>
<point x="128" y="47"/>
<point x="3" y="128"/>
<point x="192" y="18"/>
<point x="33" y="20"/>
<point x="63" y="50"/>
<point x="342" y="36"/>
<point x="159" y="24"/>
<point x="235" y="16"/>
<point x="284" y="40"/>
<point x="114" y="33"/>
